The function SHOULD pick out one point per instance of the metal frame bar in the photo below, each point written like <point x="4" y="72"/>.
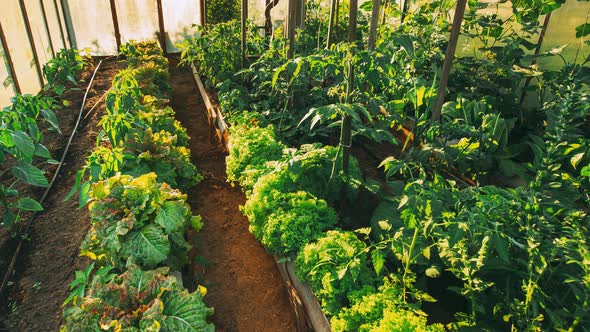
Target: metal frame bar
<point x="9" y="60"/>
<point x="61" y="28"/>
<point x="23" y="10"/>
<point x="44" y="13"/>
<point x="162" y="28"/>
<point x="115" y="24"/>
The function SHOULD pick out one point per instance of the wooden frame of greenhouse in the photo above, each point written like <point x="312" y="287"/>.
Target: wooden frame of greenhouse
<point x="295" y="165"/>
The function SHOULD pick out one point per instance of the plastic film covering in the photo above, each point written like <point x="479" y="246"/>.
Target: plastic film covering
<point x="91" y="25"/>
<point x="52" y="10"/>
<point x="179" y="17"/>
<point x="39" y="31"/>
<point x="6" y="86"/>
<point x="138" y="19"/>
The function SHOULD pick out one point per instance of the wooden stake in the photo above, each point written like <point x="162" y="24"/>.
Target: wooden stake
<point x="203" y="18"/>
<point x="331" y="23"/>
<point x="244" y="32"/>
<point x="291" y="15"/>
<point x="115" y="24"/>
<point x="537" y="51"/>
<point x="68" y="22"/>
<point x="44" y="13"/>
<point x="9" y="60"/>
<point x="449" y="57"/>
<point x="163" y="43"/>
<point x="373" y="26"/>
<point x="23" y="9"/>
<point x="61" y="28"/>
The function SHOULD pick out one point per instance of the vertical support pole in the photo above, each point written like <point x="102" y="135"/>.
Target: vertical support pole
<point x="405" y="10"/>
<point x="23" y="10"/>
<point x="352" y="22"/>
<point x="163" y="43"/>
<point x="115" y="24"/>
<point x="373" y="26"/>
<point x="244" y="32"/>
<point x="449" y="57"/>
<point x="9" y="60"/>
<point x="385" y="3"/>
<point x="46" y="22"/>
<point x="537" y="51"/>
<point x="291" y="14"/>
<point x="270" y="4"/>
<point x="333" y="5"/>
<point x="203" y="11"/>
<point x="65" y="7"/>
<point x="61" y="28"/>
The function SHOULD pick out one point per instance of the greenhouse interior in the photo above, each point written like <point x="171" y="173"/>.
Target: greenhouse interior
<point x="295" y="165"/>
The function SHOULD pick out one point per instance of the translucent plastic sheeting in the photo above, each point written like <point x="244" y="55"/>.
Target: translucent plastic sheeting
<point x="179" y="17"/>
<point x="19" y="46"/>
<point x="52" y="10"/>
<point x="92" y="25"/>
<point x="39" y="31"/>
<point x="6" y="88"/>
<point x="138" y="19"/>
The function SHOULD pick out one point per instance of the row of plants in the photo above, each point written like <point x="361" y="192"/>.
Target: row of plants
<point x="450" y="241"/>
<point x="23" y="127"/>
<point x="132" y="184"/>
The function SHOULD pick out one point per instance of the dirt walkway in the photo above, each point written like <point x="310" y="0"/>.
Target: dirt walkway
<point x="243" y="283"/>
<point x="46" y="265"/>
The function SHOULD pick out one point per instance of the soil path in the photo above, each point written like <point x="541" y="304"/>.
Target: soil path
<point x="243" y="283"/>
<point x="47" y="263"/>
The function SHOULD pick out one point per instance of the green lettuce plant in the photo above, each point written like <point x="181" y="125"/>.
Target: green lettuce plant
<point x="335" y="266"/>
<point x="140" y="220"/>
<point x="139" y="300"/>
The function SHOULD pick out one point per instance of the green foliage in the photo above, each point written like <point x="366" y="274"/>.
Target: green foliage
<point x="335" y="266"/>
<point x="140" y="220"/>
<point x="220" y="11"/>
<point x="251" y="147"/>
<point x="63" y="70"/>
<point x="383" y="310"/>
<point x="138" y="301"/>
<point x="216" y="50"/>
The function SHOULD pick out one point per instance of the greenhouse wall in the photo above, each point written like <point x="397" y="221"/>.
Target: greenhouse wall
<point x="89" y="24"/>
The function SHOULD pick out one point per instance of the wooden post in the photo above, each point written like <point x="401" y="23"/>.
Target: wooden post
<point x="537" y="51"/>
<point x="291" y="14"/>
<point x="449" y="57"/>
<point x="270" y="4"/>
<point x="65" y="7"/>
<point x="44" y="13"/>
<point x="9" y="60"/>
<point x="373" y="26"/>
<point x="331" y="23"/>
<point x="115" y="24"/>
<point x="385" y="3"/>
<point x="244" y="32"/>
<point x="61" y="28"/>
<point x="163" y="43"/>
<point x="405" y="11"/>
<point x="352" y="23"/>
<point x="203" y="18"/>
<point x="23" y="9"/>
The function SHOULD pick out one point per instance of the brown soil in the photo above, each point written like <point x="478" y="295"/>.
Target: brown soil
<point x="46" y="265"/>
<point x="243" y="283"/>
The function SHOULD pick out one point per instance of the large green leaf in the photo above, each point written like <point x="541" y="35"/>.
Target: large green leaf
<point x="29" y="204"/>
<point x="24" y="144"/>
<point x="185" y="312"/>
<point x="148" y="247"/>
<point x="30" y="174"/>
<point x="171" y="216"/>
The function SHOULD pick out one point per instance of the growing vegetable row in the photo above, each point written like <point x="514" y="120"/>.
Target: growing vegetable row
<point x="132" y="183"/>
<point x="491" y="257"/>
<point x="22" y="128"/>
